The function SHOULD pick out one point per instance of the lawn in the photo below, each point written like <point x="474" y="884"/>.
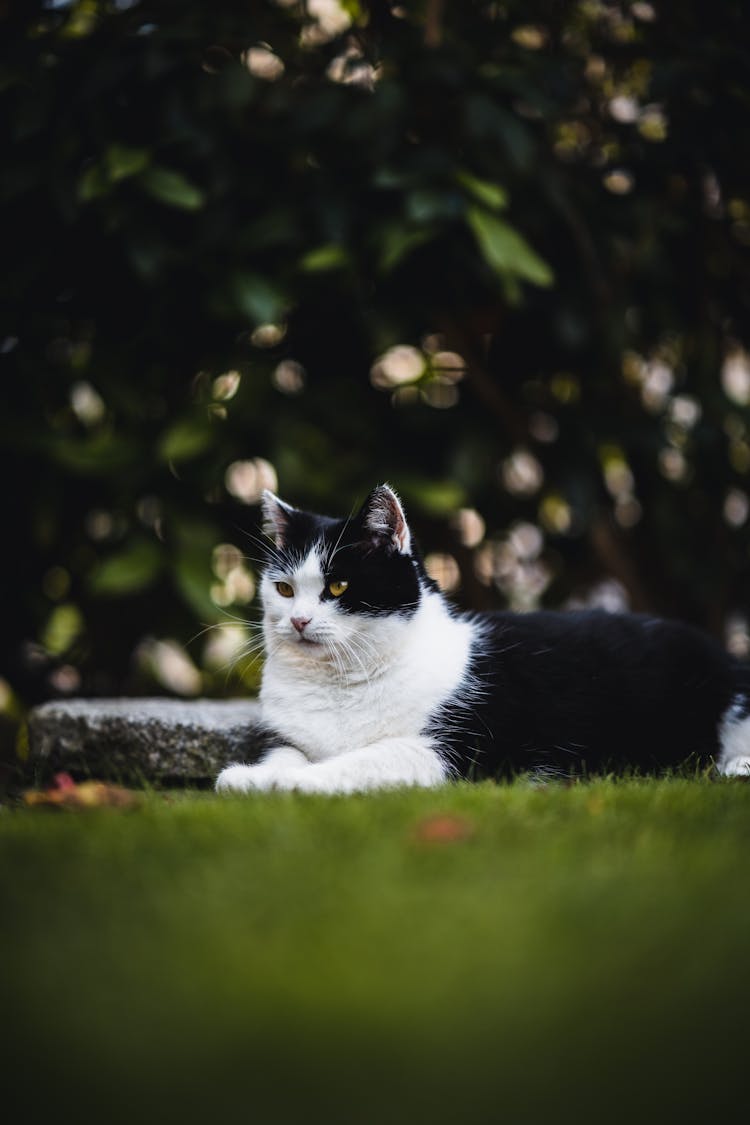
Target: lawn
<point x="480" y="953"/>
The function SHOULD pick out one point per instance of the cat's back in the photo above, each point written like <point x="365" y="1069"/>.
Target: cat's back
<point x="592" y="644"/>
<point x="581" y="689"/>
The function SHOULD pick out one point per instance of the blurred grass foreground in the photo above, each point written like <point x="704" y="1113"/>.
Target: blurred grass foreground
<point x="493" y="253"/>
<point x="478" y="954"/>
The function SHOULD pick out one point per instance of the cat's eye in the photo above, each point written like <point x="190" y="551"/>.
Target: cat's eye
<point x="337" y="588"/>
<point x="285" y="589"/>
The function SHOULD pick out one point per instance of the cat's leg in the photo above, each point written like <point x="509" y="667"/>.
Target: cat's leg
<point x="734" y="742"/>
<point x="274" y="765"/>
<point x="386" y="764"/>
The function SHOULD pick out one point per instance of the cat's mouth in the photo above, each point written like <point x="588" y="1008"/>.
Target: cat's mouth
<point x="305" y="641"/>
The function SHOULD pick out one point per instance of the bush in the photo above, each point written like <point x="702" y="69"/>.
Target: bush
<point x="493" y="253"/>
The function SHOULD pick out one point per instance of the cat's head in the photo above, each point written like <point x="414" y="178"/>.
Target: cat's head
<point x="339" y="589"/>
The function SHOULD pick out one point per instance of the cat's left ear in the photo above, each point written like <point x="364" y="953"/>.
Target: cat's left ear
<point x="383" y="517"/>
<point x="275" y="517"/>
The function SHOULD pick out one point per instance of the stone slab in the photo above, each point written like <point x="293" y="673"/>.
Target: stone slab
<point x="142" y="740"/>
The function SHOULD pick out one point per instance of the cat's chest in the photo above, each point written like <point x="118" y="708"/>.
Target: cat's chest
<point x="325" y="717"/>
<point x="325" y="720"/>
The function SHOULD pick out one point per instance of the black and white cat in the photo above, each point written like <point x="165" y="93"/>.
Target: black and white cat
<point x="372" y="680"/>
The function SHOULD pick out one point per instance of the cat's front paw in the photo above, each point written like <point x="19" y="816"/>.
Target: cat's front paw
<point x="233" y="779"/>
<point x="240" y="779"/>
<point x="256" y="779"/>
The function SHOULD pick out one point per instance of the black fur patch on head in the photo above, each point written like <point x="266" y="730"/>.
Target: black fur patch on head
<point x="381" y="578"/>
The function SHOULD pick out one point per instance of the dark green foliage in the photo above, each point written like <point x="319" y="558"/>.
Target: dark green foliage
<point x="556" y="193"/>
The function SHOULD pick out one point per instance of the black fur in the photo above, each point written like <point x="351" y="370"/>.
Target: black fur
<point x="588" y="691"/>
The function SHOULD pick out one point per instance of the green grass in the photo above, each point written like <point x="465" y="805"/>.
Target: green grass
<point x="582" y="954"/>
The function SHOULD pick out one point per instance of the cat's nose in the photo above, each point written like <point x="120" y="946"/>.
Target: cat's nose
<point x="301" y="623"/>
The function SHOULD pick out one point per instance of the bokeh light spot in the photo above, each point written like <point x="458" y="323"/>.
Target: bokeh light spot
<point x="521" y="473"/>
<point x="268" y="335"/>
<point x="619" y="181"/>
<point x="735" y="376"/>
<point x="263" y="63"/>
<point x="470" y="526"/>
<point x="555" y="514"/>
<point x="737" y="636"/>
<point x="396" y="366"/>
<point x="226" y="386"/>
<point x="88" y="405"/>
<point x="246" y="480"/>
<point x="736" y="507"/>
<point x="441" y="394"/>
<point x="450" y="366"/>
<point x="167" y="662"/>
<point x="443" y="569"/>
<point x="530" y="36"/>
<point x="289" y="377"/>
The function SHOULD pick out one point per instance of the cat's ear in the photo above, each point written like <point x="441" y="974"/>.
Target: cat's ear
<point x="383" y="519"/>
<point x="275" y="517"/>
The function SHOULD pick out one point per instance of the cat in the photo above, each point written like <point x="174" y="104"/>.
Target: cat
<point x="372" y="680"/>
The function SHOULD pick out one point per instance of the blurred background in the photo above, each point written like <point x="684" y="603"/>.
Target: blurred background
<point x="493" y="253"/>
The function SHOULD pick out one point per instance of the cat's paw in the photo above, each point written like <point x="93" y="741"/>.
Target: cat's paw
<point x="736" y="767"/>
<point x="257" y="779"/>
<point x="240" y="779"/>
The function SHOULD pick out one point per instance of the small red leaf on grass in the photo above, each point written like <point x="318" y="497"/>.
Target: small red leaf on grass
<point x="62" y="781"/>
<point x="65" y="794"/>
<point x="443" y="830"/>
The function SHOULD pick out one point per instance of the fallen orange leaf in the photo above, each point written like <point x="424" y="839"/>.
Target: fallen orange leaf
<point x="65" y="794"/>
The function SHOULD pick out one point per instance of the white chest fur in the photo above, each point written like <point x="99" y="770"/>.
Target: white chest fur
<point x="411" y="666"/>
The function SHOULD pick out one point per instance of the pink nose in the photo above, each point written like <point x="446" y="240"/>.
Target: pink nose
<point x="301" y="623"/>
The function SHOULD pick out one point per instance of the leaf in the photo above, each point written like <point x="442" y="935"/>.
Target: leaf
<point x="185" y="439"/>
<point x="64" y="624"/>
<point x="425" y="205"/>
<point x="119" y="163"/>
<point x="491" y="195"/>
<point x="123" y="161"/>
<point x="92" y="183"/>
<point x="353" y="9"/>
<point x="398" y="242"/>
<point x="133" y="569"/>
<point x="172" y="188"/>
<point x="389" y="179"/>
<point x="193" y="577"/>
<point x="257" y="298"/>
<point x="65" y="794"/>
<point x="99" y="454"/>
<point x="507" y="251"/>
<point x="192" y="572"/>
<point x="438" y="498"/>
<point x="328" y="257"/>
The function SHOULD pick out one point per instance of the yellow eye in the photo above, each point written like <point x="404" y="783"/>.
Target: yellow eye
<point x="285" y="589"/>
<point x="337" y="588"/>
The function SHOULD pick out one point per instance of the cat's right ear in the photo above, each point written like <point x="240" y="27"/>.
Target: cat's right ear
<point x="275" y="517"/>
<point x="384" y="520"/>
